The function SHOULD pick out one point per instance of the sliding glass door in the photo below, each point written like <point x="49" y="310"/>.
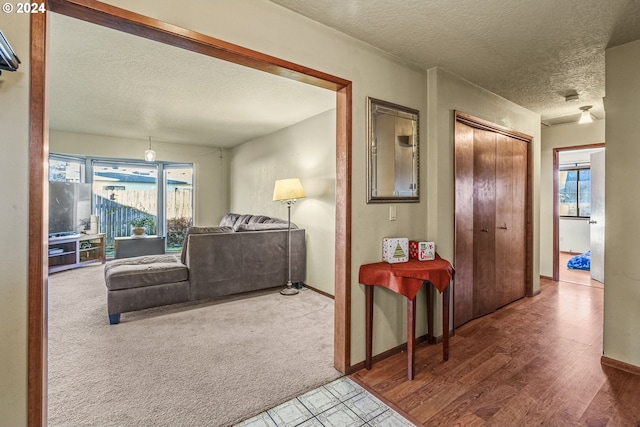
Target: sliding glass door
<point x="178" y="203"/>
<point x="121" y="192"/>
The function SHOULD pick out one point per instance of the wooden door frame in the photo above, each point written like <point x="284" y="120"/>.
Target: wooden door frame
<point x="143" y="26"/>
<point x="478" y="123"/>
<point x="556" y="205"/>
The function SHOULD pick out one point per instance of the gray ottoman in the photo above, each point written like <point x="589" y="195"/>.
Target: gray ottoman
<point x="143" y="282"/>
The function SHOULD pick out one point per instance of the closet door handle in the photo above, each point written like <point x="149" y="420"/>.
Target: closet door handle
<point x="502" y="228"/>
<point x="485" y="230"/>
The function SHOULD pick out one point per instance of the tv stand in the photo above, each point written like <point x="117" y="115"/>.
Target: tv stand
<point x="77" y="250"/>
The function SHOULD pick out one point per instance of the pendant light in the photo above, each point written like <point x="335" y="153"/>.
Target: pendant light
<point x="149" y="155"/>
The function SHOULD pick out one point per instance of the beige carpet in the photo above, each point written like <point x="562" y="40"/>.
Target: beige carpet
<point x="211" y="363"/>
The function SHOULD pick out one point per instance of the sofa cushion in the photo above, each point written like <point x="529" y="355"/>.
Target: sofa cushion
<point x="228" y="220"/>
<point x="143" y="271"/>
<point x="234" y="220"/>
<point x="139" y="260"/>
<point x="262" y="226"/>
<point x="258" y="219"/>
<point x="231" y="219"/>
<point x="244" y="219"/>
<point x="276" y="221"/>
<point x="209" y="230"/>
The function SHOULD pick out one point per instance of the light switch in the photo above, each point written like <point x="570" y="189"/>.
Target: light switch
<point x="392" y="213"/>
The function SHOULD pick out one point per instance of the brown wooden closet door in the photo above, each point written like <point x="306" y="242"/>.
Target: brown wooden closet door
<point x="490" y="220"/>
<point x="484" y="222"/>
<point x="463" y="283"/>
<point x="511" y="180"/>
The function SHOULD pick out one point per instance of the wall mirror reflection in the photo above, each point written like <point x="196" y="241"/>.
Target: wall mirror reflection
<point x="392" y="153"/>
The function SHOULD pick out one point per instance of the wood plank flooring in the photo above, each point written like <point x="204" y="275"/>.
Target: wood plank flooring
<point x="533" y="362"/>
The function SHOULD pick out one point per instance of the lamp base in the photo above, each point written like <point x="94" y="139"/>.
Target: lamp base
<point x="289" y="290"/>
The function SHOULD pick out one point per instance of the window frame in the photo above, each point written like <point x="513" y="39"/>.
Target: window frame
<point x="577" y="168"/>
<point x="86" y="176"/>
<point x="70" y="159"/>
<point x="166" y="168"/>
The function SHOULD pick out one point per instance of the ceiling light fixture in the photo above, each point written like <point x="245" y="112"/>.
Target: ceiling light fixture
<point x="149" y="155"/>
<point x="585" y="117"/>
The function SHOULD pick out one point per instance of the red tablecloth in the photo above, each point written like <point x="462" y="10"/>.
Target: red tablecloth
<point x="406" y="278"/>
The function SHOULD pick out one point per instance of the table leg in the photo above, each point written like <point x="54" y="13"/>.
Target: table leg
<point x="368" y="292"/>
<point x="411" y="336"/>
<point x="430" y="338"/>
<point x="445" y="323"/>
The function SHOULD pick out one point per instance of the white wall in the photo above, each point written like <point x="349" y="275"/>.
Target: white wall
<point x="557" y="136"/>
<point x="210" y="179"/>
<point x="306" y="150"/>
<point x="14" y="175"/>
<point x="574" y="235"/>
<point x="622" y="229"/>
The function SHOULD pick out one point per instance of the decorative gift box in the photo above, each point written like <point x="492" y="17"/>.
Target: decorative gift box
<point x="422" y="251"/>
<point x="395" y="249"/>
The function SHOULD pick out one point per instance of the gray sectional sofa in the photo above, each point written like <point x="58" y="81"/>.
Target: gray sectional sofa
<point x="241" y="254"/>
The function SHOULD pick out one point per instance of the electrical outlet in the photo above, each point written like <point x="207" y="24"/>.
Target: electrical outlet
<point x="392" y="213"/>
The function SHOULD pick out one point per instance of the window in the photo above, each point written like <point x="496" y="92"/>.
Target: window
<point x="66" y="169"/>
<point x="178" y="204"/>
<point x="575" y="192"/>
<point x="123" y="190"/>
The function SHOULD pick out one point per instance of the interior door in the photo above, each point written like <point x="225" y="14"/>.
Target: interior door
<point x="464" y="189"/>
<point x="484" y="222"/>
<point x="510" y="229"/>
<point x="491" y="217"/>
<point x="597" y="216"/>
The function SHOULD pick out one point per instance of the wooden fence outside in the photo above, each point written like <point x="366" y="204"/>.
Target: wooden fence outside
<point x="116" y="208"/>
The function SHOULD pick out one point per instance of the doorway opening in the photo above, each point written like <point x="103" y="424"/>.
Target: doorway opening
<point x="139" y="25"/>
<point x="578" y="215"/>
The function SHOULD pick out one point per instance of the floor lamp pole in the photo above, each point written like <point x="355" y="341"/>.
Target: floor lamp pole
<point x="289" y="290"/>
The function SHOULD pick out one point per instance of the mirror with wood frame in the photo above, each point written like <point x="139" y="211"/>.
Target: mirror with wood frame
<point x="392" y="153"/>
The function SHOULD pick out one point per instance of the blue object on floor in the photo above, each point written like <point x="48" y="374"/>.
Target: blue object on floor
<point x="114" y="319"/>
<point x="580" y="262"/>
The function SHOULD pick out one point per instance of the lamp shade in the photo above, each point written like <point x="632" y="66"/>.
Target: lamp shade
<point x="288" y="189"/>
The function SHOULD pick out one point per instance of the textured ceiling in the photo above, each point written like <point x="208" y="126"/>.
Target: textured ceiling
<point x="106" y="82"/>
<point x="532" y="52"/>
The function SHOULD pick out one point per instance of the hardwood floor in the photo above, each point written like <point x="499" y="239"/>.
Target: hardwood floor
<point x="533" y="362"/>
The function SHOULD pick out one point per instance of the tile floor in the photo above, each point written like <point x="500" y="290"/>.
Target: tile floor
<point x="341" y="403"/>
